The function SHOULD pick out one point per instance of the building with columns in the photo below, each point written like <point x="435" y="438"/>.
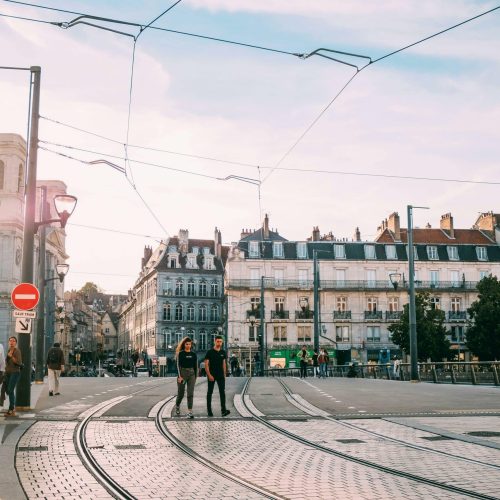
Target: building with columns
<point x="357" y="301"/>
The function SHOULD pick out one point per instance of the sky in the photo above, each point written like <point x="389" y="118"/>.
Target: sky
<point x="431" y="111"/>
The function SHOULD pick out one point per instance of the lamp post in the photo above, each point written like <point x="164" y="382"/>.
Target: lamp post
<point x="252" y="320"/>
<point x="413" y="316"/>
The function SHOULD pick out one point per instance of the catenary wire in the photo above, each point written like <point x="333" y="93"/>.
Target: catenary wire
<point x="323" y="111"/>
<point x="285" y="169"/>
<point x="26" y="18"/>
<point x="109" y="230"/>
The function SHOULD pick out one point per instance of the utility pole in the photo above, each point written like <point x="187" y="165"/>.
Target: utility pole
<point x="40" y="323"/>
<point x="316" y="300"/>
<point x="23" y="392"/>
<point x="263" y="339"/>
<point x="413" y="316"/>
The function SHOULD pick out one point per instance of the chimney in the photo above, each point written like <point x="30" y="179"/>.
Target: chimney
<point x="148" y="251"/>
<point x="394" y="226"/>
<point x="357" y="234"/>
<point x="486" y="221"/>
<point x="217" y="243"/>
<point x="183" y="241"/>
<point x="315" y="233"/>
<point x="245" y="233"/>
<point x="446" y="225"/>
<point x="265" y="227"/>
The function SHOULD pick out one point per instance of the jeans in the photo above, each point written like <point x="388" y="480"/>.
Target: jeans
<point x="303" y="369"/>
<point x="221" y="384"/>
<point x="322" y="370"/>
<point x="10" y="383"/>
<point x="54" y="380"/>
<point x="189" y="378"/>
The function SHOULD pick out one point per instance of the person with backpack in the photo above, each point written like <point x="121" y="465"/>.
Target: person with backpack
<point x="55" y="365"/>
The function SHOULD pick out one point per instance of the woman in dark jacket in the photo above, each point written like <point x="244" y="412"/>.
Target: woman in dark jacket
<point x="187" y="370"/>
<point x="13" y="364"/>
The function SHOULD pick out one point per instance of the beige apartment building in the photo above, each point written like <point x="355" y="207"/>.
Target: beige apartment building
<point x="357" y="301"/>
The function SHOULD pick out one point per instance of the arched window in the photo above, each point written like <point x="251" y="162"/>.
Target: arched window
<point x="202" y="340"/>
<point x="190" y="312"/>
<point x="214" y="313"/>
<point x="178" y="336"/>
<point x="167" y="312"/>
<point x="179" y="287"/>
<point x="191" y="335"/>
<point x="203" y="288"/>
<point x="166" y="341"/>
<point x="178" y="312"/>
<point x="20" y="178"/>
<point x="190" y="288"/>
<point x="214" y="289"/>
<point x="203" y="312"/>
<point x="2" y="174"/>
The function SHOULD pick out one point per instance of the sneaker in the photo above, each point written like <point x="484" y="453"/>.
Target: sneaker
<point x="11" y="413"/>
<point x="51" y="393"/>
<point x="209" y="413"/>
<point x="190" y="415"/>
<point x="177" y="411"/>
<point x="225" y="413"/>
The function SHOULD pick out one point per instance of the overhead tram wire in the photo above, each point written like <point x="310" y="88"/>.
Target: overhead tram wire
<point x="358" y="70"/>
<point x="109" y="230"/>
<point x="257" y="182"/>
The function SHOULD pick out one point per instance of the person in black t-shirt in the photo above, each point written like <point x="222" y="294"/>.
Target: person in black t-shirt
<point x="187" y="370"/>
<point x="215" y="366"/>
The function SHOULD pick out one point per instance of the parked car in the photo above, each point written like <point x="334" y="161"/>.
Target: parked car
<point x="142" y="372"/>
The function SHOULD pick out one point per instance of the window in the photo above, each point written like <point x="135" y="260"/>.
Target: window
<point x="303" y="277"/>
<point x="339" y="251"/>
<point x="214" y="289"/>
<point x="279" y="304"/>
<point x="167" y="338"/>
<point x="304" y="334"/>
<point x="208" y="262"/>
<point x="372" y="304"/>
<point x="342" y="333"/>
<point x="254" y="303"/>
<point x="202" y="340"/>
<point x="20" y="178"/>
<point x="369" y="251"/>
<point x="106" y="330"/>
<point x="302" y="250"/>
<point x="483" y="274"/>
<point x="190" y="289"/>
<point x="2" y="174"/>
<point x="172" y="249"/>
<point x="206" y="251"/>
<point x="457" y="334"/>
<point x="278" y="249"/>
<point x="279" y="334"/>
<point x="203" y="312"/>
<point x="172" y="262"/>
<point x="167" y="312"/>
<point x="179" y="287"/>
<point x="371" y="277"/>
<point x="455" y="278"/>
<point x="254" y="277"/>
<point x="341" y="304"/>
<point x="279" y="275"/>
<point x="452" y="253"/>
<point x="455" y="304"/>
<point x="435" y="303"/>
<point x="434" y="277"/>
<point x="390" y="252"/>
<point x="373" y="333"/>
<point x="195" y="250"/>
<point x="481" y="253"/>
<point x="393" y="304"/>
<point x="432" y="252"/>
<point x="203" y="288"/>
<point x="214" y="312"/>
<point x="340" y="275"/>
<point x="415" y="253"/>
<point x="253" y="249"/>
<point x="178" y="336"/>
<point x="190" y="312"/>
<point x="167" y="287"/>
<point x="178" y="312"/>
<point x="191" y="262"/>
<point x="252" y="333"/>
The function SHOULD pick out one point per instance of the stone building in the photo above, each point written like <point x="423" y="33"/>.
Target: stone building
<point x="357" y="301"/>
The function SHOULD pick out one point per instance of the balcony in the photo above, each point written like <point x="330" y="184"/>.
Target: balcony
<point x="393" y="315"/>
<point x="373" y="315"/>
<point x="304" y="315"/>
<point x="457" y="315"/>
<point x="278" y="315"/>
<point x="342" y="315"/>
<point x="253" y="312"/>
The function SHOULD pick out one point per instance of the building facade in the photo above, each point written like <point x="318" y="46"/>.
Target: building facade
<point x="357" y="300"/>
<point x="179" y="293"/>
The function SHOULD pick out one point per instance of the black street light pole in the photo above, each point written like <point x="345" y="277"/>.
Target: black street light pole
<point x="316" y="300"/>
<point x="263" y="340"/>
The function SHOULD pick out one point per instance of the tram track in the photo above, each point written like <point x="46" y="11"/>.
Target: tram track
<point x="392" y="439"/>
<point x="382" y="468"/>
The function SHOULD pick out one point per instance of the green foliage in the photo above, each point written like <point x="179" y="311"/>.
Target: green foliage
<point x="483" y="333"/>
<point x="431" y="333"/>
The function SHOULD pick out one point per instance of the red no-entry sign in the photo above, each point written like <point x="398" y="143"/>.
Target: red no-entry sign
<point x="25" y="296"/>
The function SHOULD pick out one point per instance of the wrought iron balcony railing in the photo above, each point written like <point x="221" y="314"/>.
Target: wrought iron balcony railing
<point x="457" y="315"/>
<point x="393" y="315"/>
<point x="341" y="315"/>
<point x="375" y="315"/>
<point x="305" y="315"/>
<point x="280" y="314"/>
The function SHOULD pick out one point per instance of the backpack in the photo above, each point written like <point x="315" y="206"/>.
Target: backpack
<point x="53" y="357"/>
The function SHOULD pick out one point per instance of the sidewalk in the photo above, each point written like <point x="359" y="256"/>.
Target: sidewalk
<point x="11" y="430"/>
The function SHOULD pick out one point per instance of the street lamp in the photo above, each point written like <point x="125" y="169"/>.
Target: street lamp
<point x="395" y="279"/>
<point x="252" y="320"/>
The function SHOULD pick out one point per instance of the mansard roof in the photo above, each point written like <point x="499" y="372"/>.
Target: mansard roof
<point x="436" y="236"/>
<point x="258" y="236"/>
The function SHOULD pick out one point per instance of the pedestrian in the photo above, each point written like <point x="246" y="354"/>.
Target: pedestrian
<point x="233" y="362"/>
<point x="216" y="368"/>
<point x="303" y="356"/>
<point x="13" y="365"/>
<point x="396" y="367"/>
<point x="2" y="373"/>
<point x="315" y="357"/>
<point x="187" y="371"/>
<point x="323" y="363"/>
<point x="55" y="365"/>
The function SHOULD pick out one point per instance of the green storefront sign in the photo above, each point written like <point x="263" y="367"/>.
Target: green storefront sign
<point x="287" y="358"/>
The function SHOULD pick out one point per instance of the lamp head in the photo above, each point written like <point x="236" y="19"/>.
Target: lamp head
<point x="65" y="204"/>
<point x="395" y="279"/>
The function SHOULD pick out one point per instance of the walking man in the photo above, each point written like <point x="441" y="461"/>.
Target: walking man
<point x="216" y="368"/>
<point x="55" y="364"/>
<point x="13" y="365"/>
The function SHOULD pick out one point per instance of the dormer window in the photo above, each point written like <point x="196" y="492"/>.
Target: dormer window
<point x="432" y="252"/>
<point x="253" y="249"/>
<point x="339" y="251"/>
<point x="208" y="262"/>
<point x="172" y="261"/>
<point x="302" y="250"/>
<point x="172" y="249"/>
<point x="415" y="253"/>
<point x="206" y="251"/>
<point x="481" y="253"/>
<point x="278" y="249"/>
<point x="195" y="250"/>
<point x="390" y="252"/>
<point x="191" y="262"/>
<point x="369" y="251"/>
<point x="452" y="253"/>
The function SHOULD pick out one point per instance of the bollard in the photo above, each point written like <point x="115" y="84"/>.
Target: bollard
<point x="495" y="375"/>
<point x="473" y="375"/>
<point x="434" y="375"/>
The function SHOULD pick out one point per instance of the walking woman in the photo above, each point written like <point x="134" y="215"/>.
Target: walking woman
<point x="13" y="365"/>
<point x="187" y="370"/>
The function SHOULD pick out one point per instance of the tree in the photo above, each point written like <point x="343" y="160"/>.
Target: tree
<point x="90" y="291"/>
<point x="483" y="332"/>
<point x="431" y="333"/>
